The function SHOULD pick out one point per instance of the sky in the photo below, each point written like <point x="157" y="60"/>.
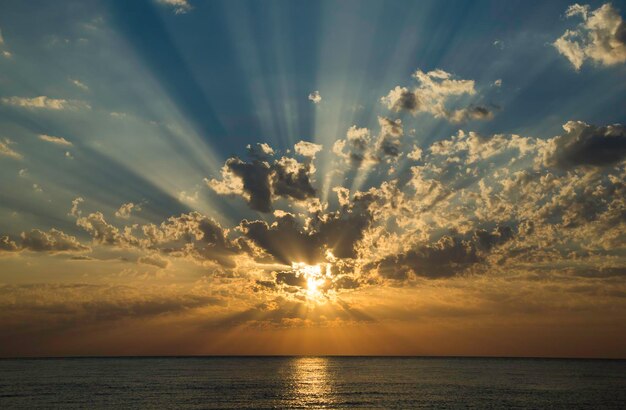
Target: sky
<point x="326" y="177"/>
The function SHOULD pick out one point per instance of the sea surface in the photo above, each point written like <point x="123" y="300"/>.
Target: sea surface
<point x="312" y="382"/>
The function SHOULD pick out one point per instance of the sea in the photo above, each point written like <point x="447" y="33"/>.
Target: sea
<point x="312" y="382"/>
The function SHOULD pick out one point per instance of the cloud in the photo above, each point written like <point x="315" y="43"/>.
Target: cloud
<point x="601" y="37"/>
<point x="360" y="149"/>
<point x="104" y="233"/>
<point x="584" y="144"/>
<point x="260" y="151"/>
<point x="260" y="182"/>
<point x="307" y="149"/>
<point x="51" y="241"/>
<point x="43" y="102"/>
<point x="316" y="97"/>
<point x="55" y="140"/>
<point x="154" y="260"/>
<point x="7" y="245"/>
<point x="74" y="211"/>
<point x="179" y="6"/>
<point x="287" y="240"/>
<point x="476" y="112"/>
<point x="125" y="210"/>
<point x="79" y="84"/>
<point x="435" y="90"/>
<point x="7" y="151"/>
<point x="446" y="257"/>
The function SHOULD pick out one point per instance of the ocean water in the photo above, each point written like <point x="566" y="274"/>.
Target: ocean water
<point x="312" y="382"/>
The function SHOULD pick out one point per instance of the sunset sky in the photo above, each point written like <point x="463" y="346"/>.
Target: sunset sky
<point x="287" y="177"/>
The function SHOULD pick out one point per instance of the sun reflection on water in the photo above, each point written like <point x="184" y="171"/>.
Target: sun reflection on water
<point x="312" y="383"/>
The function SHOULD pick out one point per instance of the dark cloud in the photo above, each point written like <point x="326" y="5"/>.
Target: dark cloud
<point x="447" y="257"/>
<point x="584" y="144"/>
<point x="262" y="180"/>
<point x="291" y="278"/>
<point x="256" y="182"/>
<point x="285" y="239"/>
<point x="288" y="241"/>
<point x="292" y="179"/>
<point x="7" y="245"/>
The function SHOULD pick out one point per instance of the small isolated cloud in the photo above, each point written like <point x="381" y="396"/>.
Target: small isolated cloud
<point x="188" y="197"/>
<point x="601" y="37"/>
<point x="55" y="140"/>
<point x="74" y="211"/>
<point x="6" y="53"/>
<point x="316" y="97"/>
<point x="43" y="102"/>
<point x="498" y="83"/>
<point x="154" y="260"/>
<point x="7" y="151"/>
<point x="499" y="44"/>
<point x="79" y="84"/>
<point x="179" y="6"/>
<point x="307" y="149"/>
<point x="126" y="209"/>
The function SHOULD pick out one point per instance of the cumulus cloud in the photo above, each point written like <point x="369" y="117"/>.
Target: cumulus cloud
<point x="264" y="179"/>
<point x="435" y="91"/>
<point x="55" y="140"/>
<point x="316" y="97"/>
<point x="126" y="209"/>
<point x="584" y="144"/>
<point x="43" y="102"/>
<point x="39" y="241"/>
<point x="307" y="149"/>
<point x="360" y="149"/>
<point x="179" y="6"/>
<point x="7" y="151"/>
<point x="7" y="245"/>
<point x="601" y="37"/>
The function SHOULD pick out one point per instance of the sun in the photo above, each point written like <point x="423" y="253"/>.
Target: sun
<point x="316" y="277"/>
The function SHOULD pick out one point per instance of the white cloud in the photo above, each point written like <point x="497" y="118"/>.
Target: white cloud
<point x="435" y="90"/>
<point x="126" y="209"/>
<point x="316" y="97"/>
<point x="79" y="84"/>
<point x="45" y="102"/>
<point x="307" y="149"/>
<point x="7" y="151"/>
<point x="601" y="37"/>
<point x="55" y="140"/>
<point x="179" y="6"/>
